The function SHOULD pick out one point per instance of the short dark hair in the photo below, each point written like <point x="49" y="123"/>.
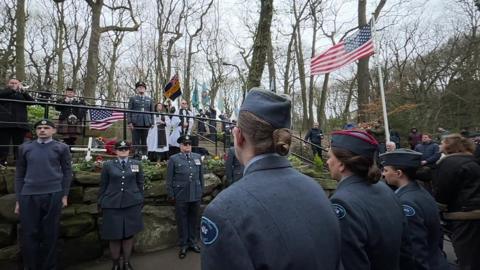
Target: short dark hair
<point x="410" y="172"/>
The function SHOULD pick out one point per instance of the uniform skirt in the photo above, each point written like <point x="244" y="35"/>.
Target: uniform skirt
<point x="121" y="223"/>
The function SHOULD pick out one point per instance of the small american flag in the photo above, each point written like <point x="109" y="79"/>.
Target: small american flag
<point x="354" y="47"/>
<point x="103" y="119"/>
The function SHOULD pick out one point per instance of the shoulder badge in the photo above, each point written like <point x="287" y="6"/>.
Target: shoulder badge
<point x="408" y="210"/>
<point x="339" y="210"/>
<point x="208" y="231"/>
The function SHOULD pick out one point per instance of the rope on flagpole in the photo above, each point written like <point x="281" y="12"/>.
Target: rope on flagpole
<point x="380" y="81"/>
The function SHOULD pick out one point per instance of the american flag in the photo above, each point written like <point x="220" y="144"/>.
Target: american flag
<point x="354" y="47"/>
<point x="103" y="119"/>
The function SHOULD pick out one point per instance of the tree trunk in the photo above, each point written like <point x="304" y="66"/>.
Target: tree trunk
<point x="271" y="66"/>
<point x="362" y="66"/>
<point x="93" y="50"/>
<point x="20" y="41"/>
<point x="322" y="118"/>
<point x="260" y="45"/>
<point x="60" y="49"/>
<point x="303" y="83"/>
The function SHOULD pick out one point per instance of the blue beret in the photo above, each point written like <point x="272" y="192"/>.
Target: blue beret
<point x="122" y="145"/>
<point x="268" y="106"/>
<point x="44" y="122"/>
<point x="356" y="141"/>
<point x="401" y="158"/>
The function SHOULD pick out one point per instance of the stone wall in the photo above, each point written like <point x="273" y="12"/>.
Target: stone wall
<point x="80" y="221"/>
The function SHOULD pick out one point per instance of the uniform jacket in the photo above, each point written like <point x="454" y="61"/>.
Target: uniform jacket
<point x="14" y="113"/>
<point x="66" y="111"/>
<point x="185" y="177"/>
<point x="457" y="182"/>
<point x="121" y="188"/>
<point x="372" y="225"/>
<point x="274" y="218"/>
<point x="314" y="135"/>
<point x="423" y="227"/>
<point x="143" y="104"/>
<point x="233" y="167"/>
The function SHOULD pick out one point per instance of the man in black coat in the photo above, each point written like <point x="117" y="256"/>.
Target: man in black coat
<point x="315" y="136"/>
<point x="233" y="167"/>
<point x="71" y="118"/>
<point x="13" y="118"/>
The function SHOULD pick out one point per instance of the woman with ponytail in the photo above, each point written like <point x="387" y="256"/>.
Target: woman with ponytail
<point x="371" y="219"/>
<point x="274" y="217"/>
<point x="456" y="187"/>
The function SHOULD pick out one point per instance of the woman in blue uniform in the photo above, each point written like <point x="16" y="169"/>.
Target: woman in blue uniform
<point x="121" y="199"/>
<point x="399" y="169"/>
<point x="371" y="218"/>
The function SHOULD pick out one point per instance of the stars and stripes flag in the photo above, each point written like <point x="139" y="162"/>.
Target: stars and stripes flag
<point x="354" y="47"/>
<point x="103" y="119"/>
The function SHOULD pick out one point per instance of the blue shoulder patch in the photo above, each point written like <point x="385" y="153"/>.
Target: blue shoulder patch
<point x="408" y="210"/>
<point x="339" y="210"/>
<point x="208" y="231"/>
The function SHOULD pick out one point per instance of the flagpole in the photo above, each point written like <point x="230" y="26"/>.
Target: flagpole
<point x="380" y="81"/>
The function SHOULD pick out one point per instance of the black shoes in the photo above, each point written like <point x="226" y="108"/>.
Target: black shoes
<point x="116" y="267"/>
<point x="195" y="248"/>
<point x="183" y="253"/>
<point x="127" y="266"/>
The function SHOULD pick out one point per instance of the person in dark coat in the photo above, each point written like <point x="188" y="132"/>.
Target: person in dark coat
<point x="414" y="138"/>
<point x="274" y="217"/>
<point x="71" y="118"/>
<point x="13" y="118"/>
<point x="315" y="136"/>
<point x="212" y="124"/>
<point x="201" y="123"/>
<point x="419" y="207"/>
<point x="185" y="186"/>
<point x="42" y="183"/>
<point x="140" y="123"/>
<point x="233" y="167"/>
<point x="120" y="199"/>
<point x="429" y="149"/>
<point x="186" y="118"/>
<point x="371" y="218"/>
<point x="456" y="186"/>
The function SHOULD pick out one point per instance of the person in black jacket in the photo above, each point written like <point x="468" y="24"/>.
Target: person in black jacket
<point x="419" y="207"/>
<point x="71" y="118"/>
<point x="315" y="136"/>
<point x="13" y="118"/>
<point x="233" y="167"/>
<point x="120" y="199"/>
<point x="456" y="186"/>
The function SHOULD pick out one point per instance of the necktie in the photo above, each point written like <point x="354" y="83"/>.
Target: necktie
<point x="188" y="156"/>
<point x="123" y="164"/>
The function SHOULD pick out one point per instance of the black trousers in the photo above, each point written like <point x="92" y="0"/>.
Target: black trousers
<point x="139" y="138"/>
<point x="465" y="237"/>
<point x="316" y="150"/>
<point x="187" y="222"/>
<point x="10" y="136"/>
<point x="40" y="222"/>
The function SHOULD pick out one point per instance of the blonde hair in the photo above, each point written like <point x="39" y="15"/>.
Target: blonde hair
<point x="456" y="143"/>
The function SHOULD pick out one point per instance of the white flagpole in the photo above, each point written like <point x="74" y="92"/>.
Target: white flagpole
<point x="380" y="81"/>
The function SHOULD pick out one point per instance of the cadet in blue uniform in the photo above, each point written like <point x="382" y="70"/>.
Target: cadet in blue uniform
<point x="233" y="167"/>
<point x="42" y="183"/>
<point x="140" y="123"/>
<point x="185" y="185"/>
<point x="371" y="218"/>
<point x="274" y="217"/>
<point x="419" y="207"/>
<point x="121" y="199"/>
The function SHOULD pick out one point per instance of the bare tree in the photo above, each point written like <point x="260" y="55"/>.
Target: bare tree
<point x="260" y="45"/>
<point x="96" y="31"/>
<point x="21" y="21"/>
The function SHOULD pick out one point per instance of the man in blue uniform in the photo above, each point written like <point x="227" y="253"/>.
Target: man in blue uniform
<point x="42" y="183"/>
<point x="185" y="185"/>
<point x="274" y="217"/>
<point x="233" y="167"/>
<point x="419" y="207"/>
<point x="139" y="123"/>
